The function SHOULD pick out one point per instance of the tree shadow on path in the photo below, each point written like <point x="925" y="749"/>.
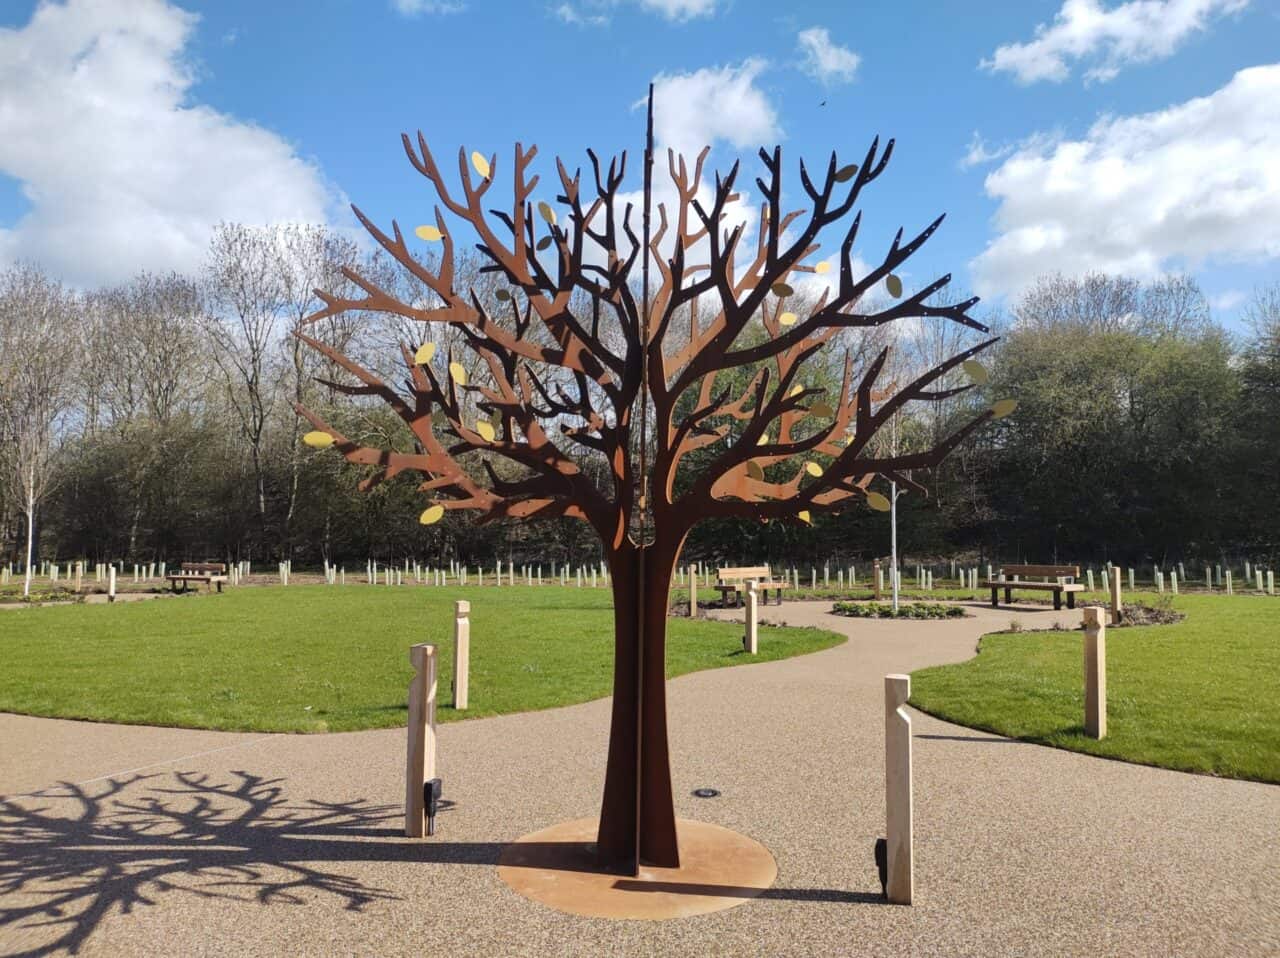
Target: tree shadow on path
<point x="70" y="856"/>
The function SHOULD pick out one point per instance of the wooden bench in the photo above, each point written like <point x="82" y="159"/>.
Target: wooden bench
<point x="1057" y="572"/>
<point x="210" y="573"/>
<point x="734" y="579"/>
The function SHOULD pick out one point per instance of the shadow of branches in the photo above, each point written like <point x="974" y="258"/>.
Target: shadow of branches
<point x="72" y="855"/>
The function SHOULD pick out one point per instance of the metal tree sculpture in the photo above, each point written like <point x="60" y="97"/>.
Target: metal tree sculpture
<point x="582" y="359"/>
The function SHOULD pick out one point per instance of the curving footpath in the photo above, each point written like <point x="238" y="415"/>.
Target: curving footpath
<point x="182" y="842"/>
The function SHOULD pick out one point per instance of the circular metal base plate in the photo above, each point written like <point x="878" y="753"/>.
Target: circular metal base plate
<point x="718" y="869"/>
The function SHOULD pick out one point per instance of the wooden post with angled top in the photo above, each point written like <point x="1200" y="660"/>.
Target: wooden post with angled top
<point x="751" y="641"/>
<point x="420" y="767"/>
<point x="1095" y="673"/>
<point x="693" y="592"/>
<point x="461" y="652"/>
<point x="1117" y="606"/>
<point x="899" y="809"/>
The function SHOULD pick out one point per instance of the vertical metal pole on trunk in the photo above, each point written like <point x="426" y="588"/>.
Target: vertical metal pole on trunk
<point x="643" y="394"/>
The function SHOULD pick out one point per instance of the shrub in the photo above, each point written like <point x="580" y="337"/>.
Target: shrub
<point x="908" y="610"/>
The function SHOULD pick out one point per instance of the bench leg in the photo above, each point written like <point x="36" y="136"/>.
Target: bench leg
<point x="995" y="596"/>
<point x="1008" y="597"/>
<point x="1057" y="601"/>
<point x="1071" y="600"/>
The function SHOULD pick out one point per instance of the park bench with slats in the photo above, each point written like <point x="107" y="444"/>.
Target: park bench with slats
<point x="210" y="573"/>
<point x="734" y="579"/>
<point x="1063" y="577"/>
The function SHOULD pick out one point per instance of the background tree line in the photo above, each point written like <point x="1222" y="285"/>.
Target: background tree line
<point x="154" y="421"/>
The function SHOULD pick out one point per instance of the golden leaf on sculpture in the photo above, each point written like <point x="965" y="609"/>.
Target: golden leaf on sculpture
<point x="458" y="374"/>
<point x="787" y="319"/>
<point x="424" y="353"/>
<point x="976" y="371"/>
<point x="823" y="267"/>
<point x="781" y="289"/>
<point x="431" y="515"/>
<point x="318" y="439"/>
<point x="755" y="472"/>
<point x="821" y="409"/>
<point x="428" y="233"/>
<point x="544" y="242"/>
<point x="1004" y="407"/>
<point x="548" y="214"/>
<point x="893" y="285"/>
<point x="763" y="440"/>
<point x="803" y="516"/>
<point x="503" y="294"/>
<point x="813" y="469"/>
<point x="846" y="173"/>
<point x="796" y="390"/>
<point x="485" y="430"/>
<point x="480" y="163"/>
<point x="878" y="502"/>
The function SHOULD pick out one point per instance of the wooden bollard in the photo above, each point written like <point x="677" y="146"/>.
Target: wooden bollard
<point x="897" y="790"/>
<point x="420" y="766"/>
<point x="879" y="578"/>
<point x="111" y="583"/>
<point x="461" y="652"/>
<point x="1095" y="673"/>
<point x="751" y="641"/>
<point x="1117" y="606"/>
<point x="693" y="592"/>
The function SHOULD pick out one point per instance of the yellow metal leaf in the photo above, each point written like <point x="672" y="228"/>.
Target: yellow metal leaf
<point x="458" y="374"/>
<point x="763" y="440"/>
<point x="803" y="516"/>
<point x="431" y="515"/>
<point x="787" y="319"/>
<point x="755" y="472"/>
<point x="878" y="502"/>
<point x="813" y="469"/>
<point x="480" y="163"/>
<point x="796" y="390"/>
<point x="547" y="212"/>
<point x="823" y="267"/>
<point x="894" y="285"/>
<point x="428" y="233"/>
<point x="485" y="430"/>
<point x="318" y="439"/>
<point x="976" y="371"/>
<point x="424" y="353"/>
<point x="1004" y="407"/>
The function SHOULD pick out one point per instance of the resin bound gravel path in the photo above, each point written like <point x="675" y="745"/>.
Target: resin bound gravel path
<point x="202" y="843"/>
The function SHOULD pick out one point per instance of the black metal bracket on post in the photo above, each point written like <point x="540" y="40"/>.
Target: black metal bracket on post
<point x="882" y="865"/>
<point x="431" y="791"/>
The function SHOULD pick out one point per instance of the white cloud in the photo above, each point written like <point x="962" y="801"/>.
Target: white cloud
<point x="825" y="61"/>
<point x="979" y="154"/>
<point x="1137" y="31"/>
<point x="1227" y="301"/>
<point x="693" y="110"/>
<point x="597" y="13"/>
<point x="680" y="10"/>
<point x="568" y="13"/>
<point x="416" y="8"/>
<point x="1198" y="181"/>
<point x="121" y="172"/>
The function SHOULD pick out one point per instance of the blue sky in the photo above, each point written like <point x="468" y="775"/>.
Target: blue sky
<point x="131" y="126"/>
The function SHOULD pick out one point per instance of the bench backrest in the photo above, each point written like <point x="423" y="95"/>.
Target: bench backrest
<point x="743" y="573"/>
<point x="217" y="568"/>
<point x="1052" y="571"/>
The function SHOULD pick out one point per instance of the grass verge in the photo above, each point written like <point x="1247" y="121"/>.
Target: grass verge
<point x="1202" y="695"/>
<point x="317" y="658"/>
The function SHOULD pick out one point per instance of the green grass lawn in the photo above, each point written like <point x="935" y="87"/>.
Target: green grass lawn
<point x="1202" y="695"/>
<point x="317" y="658"/>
